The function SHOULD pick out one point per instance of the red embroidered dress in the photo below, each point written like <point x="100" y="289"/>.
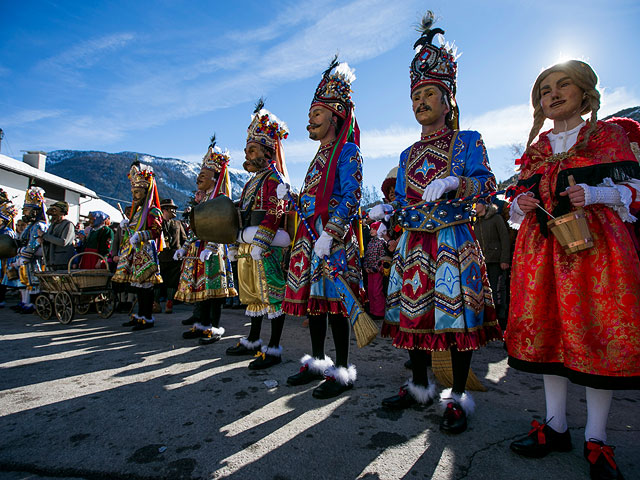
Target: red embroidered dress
<point x="577" y="315"/>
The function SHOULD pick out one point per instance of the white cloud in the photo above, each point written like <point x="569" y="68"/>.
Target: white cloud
<point x="87" y="53"/>
<point x="27" y="116"/>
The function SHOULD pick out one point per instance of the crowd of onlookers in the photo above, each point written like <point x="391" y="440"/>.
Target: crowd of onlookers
<point x="94" y="243"/>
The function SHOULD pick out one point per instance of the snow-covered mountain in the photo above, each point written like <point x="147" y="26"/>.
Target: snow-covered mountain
<point x="106" y="174"/>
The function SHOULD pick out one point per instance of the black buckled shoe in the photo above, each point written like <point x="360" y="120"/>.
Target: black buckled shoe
<point x="264" y="360"/>
<point x="330" y="388"/>
<point x="542" y="440"/>
<point x="194" y="333"/>
<point x="402" y="400"/>
<point x="454" y="420"/>
<point x="132" y="322"/>
<point x="209" y="339"/>
<point x="304" y="376"/>
<point x="602" y="465"/>
<point x="143" y="325"/>
<point x="241" y="350"/>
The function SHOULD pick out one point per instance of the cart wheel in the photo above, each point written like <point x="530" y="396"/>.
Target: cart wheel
<point x="82" y="308"/>
<point x="106" y="304"/>
<point x="64" y="307"/>
<point x="43" y="307"/>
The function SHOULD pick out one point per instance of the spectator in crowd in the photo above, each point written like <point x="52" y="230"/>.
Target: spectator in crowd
<point x="99" y="241"/>
<point x="493" y="236"/>
<point x="57" y="241"/>
<point x="174" y="237"/>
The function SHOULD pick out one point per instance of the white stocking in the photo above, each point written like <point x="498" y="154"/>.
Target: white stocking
<point x="598" y="404"/>
<point x="25" y="296"/>
<point x="555" y="392"/>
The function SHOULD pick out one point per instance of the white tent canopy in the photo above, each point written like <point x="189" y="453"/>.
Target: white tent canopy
<point x="95" y="204"/>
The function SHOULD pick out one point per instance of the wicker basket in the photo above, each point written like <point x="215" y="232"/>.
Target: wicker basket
<point x="89" y="279"/>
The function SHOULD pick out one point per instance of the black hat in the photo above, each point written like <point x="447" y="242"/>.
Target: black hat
<point x="168" y="203"/>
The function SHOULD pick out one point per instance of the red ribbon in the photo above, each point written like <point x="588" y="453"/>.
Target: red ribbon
<point x="597" y="449"/>
<point x="453" y="410"/>
<point x="539" y="427"/>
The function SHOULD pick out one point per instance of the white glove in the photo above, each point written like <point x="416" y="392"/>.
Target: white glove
<point x="134" y="239"/>
<point x="439" y="187"/>
<point x="180" y="254"/>
<point x="322" y="248"/>
<point x="379" y="212"/>
<point x="232" y="254"/>
<point x="256" y="253"/>
<point x="282" y="190"/>
<point x="205" y="254"/>
<point x="21" y="261"/>
<point x="124" y="223"/>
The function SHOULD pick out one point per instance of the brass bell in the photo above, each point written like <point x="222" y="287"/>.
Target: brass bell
<point x="215" y="220"/>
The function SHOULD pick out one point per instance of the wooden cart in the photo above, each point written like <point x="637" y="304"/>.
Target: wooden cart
<point x="73" y="291"/>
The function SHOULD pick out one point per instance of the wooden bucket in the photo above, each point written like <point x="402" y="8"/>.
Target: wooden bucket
<point x="571" y="230"/>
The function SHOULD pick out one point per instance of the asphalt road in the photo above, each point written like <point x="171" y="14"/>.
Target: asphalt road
<point x="94" y="400"/>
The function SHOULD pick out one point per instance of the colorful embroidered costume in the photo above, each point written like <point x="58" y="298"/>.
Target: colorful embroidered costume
<point x="439" y="294"/>
<point x="310" y="290"/>
<point x="30" y="253"/>
<point x="586" y="326"/>
<point x="141" y="240"/>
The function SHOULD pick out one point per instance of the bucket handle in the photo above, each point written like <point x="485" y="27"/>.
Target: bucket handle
<point x="85" y="253"/>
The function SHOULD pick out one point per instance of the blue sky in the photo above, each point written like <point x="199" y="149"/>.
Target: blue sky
<point x="160" y="77"/>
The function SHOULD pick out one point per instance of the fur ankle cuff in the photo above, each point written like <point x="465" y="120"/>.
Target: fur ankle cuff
<point x="421" y="393"/>
<point x="344" y="376"/>
<point x="465" y="400"/>
<point x="316" y="365"/>
<point x="251" y="345"/>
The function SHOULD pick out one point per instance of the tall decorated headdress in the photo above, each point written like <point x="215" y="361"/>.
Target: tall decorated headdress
<point x="217" y="161"/>
<point x="7" y="209"/>
<point x="435" y="65"/>
<point x="142" y="176"/>
<point x="334" y="92"/>
<point x="268" y="130"/>
<point x="34" y="197"/>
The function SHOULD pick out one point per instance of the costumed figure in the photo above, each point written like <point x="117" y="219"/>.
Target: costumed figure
<point x="206" y="278"/>
<point x="29" y="260"/>
<point x="576" y="316"/>
<point x="9" y="277"/>
<point x="329" y="199"/>
<point x="174" y="237"/>
<point x="98" y="240"/>
<point x="438" y="297"/>
<point x="141" y="241"/>
<point x="57" y="241"/>
<point x="262" y="246"/>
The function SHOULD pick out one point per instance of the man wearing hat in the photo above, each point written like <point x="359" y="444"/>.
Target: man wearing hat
<point x="329" y="199"/>
<point x="439" y="297"/>
<point x="205" y="278"/>
<point x="57" y="241"/>
<point x="262" y="242"/>
<point x="174" y="237"/>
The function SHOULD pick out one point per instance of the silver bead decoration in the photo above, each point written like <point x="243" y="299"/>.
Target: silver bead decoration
<point x="415" y="217"/>
<point x="458" y="217"/>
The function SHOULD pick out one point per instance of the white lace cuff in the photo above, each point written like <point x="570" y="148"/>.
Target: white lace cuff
<point x="516" y="216"/>
<point x="616" y="197"/>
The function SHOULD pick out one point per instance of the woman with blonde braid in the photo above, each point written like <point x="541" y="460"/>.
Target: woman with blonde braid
<point x="576" y="316"/>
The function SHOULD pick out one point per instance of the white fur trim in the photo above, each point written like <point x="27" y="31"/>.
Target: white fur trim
<point x="216" y="331"/>
<point x="251" y="345"/>
<point x="465" y="400"/>
<point x="273" y="351"/>
<point x="201" y="327"/>
<point x="343" y="376"/>
<point x="316" y="365"/>
<point x="420" y="393"/>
